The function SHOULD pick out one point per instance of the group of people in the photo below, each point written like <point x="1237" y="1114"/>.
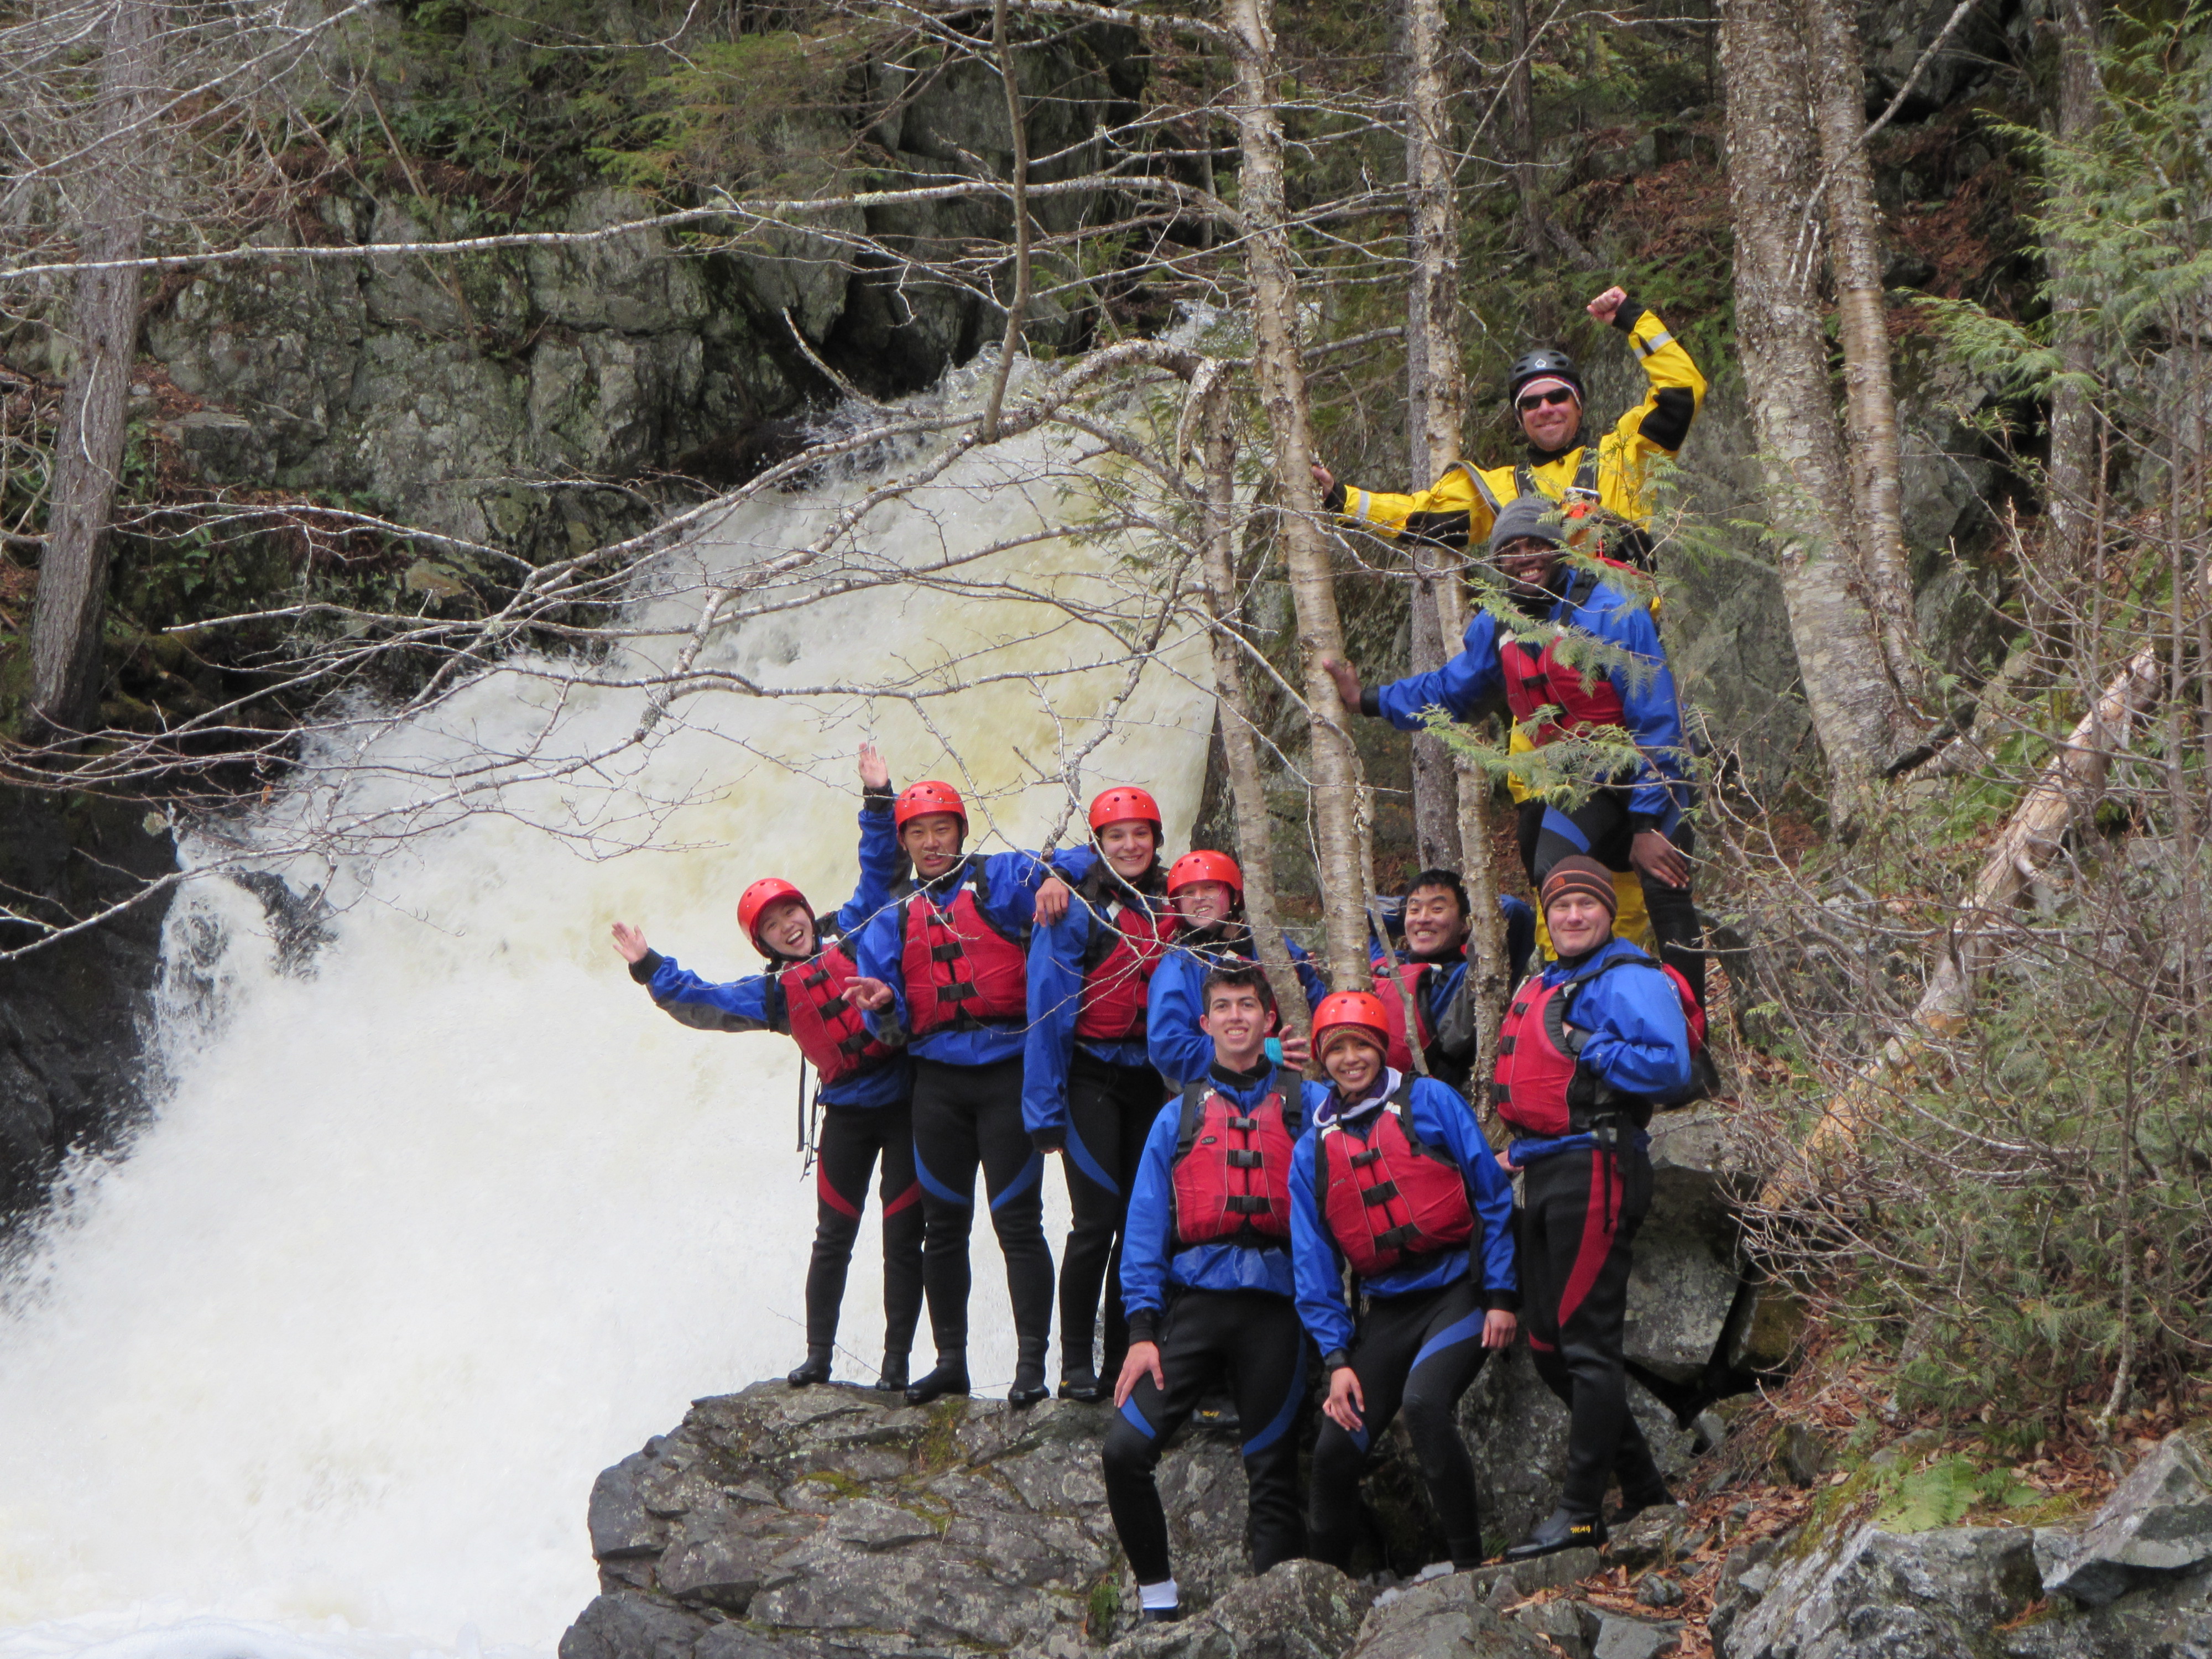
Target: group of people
<point x="1244" y="1202"/>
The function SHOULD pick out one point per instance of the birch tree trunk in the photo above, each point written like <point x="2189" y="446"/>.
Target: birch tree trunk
<point x="1855" y="707"/>
<point x="1436" y="393"/>
<point x="2074" y="477"/>
<point x="1248" y="789"/>
<point x="65" y="656"/>
<point x="1281" y="377"/>
<point x="1863" y="322"/>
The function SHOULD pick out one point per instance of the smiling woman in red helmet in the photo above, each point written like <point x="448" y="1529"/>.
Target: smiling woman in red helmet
<point x="1395" y="1180"/>
<point x="1087" y="1089"/>
<point x="944" y="970"/>
<point x="1207" y="892"/>
<point x="863" y="1086"/>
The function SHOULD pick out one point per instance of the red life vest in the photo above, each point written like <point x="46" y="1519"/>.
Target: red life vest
<point x="1535" y="680"/>
<point x="1232" y="1172"/>
<point x="829" y="1030"/>
<point x="1392" y="1199"/>
<point x="1537" y="1060"/>
<point x="959" y="970"/>
<point x="1126" y="945"/>
<point x="1409" y="984"/>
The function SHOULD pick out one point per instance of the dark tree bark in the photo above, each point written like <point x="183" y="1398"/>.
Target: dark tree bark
<point x="2073" y="474"/>
<point x="65" y="656"/>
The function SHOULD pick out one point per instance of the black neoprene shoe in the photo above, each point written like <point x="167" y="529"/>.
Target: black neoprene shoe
<point x="1563" y="1531"/>
<point x="1081" y="1383"/>
<point x="1160" y="1615"/>
<point x="1029" y="1382"/>
<point x="892" y="1378"/>
<point x="816" y="1370"/>
<point x="951" y="1377"/>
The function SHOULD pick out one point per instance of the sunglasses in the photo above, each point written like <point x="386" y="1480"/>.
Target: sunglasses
<point x="1530" y="405"/>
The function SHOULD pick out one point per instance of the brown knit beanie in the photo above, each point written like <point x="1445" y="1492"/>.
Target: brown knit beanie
<point x="1577" y="874"/>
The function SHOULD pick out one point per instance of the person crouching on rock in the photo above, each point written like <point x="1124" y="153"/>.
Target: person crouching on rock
<point x="1587" y="1046"/>
<point x="1087" y="1089"/>
<point x="1394" y="1179"/>
<point x="1208" y="1281"/>
<point x="866" y="1086"/>
<point x="944" y="970"/>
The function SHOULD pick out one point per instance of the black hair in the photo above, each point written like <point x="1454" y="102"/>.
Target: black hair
<point x="1236" y="975"/>
<point x="1448" y="879"/>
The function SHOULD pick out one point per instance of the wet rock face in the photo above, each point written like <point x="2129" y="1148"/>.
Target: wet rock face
<point x="831" y="1518"/>
<point x="2156" y="1527"/>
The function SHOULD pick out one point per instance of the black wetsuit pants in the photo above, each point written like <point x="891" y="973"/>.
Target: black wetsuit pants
<point x="1583" y="1209"/>
<point x="852" y="1139"/>
<point x="1416" y="1353"/>
<point x="1252" y="1340"/>
<point x="966" y="1117"/>
<point x="1599" y="829"/>
<point x="1110" y="1110"/>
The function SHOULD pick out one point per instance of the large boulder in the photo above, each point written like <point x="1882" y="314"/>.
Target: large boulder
<point x="2156" y="1525"/>
<point x="836" y="1518"/>
<point x="1298" y="1610"/>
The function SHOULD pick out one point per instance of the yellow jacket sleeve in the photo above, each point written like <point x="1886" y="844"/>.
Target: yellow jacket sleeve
<point x="1450" y="514"/>
<point x="1657" y="426"/>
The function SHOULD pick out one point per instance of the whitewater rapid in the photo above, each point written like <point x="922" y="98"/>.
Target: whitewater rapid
<point x="426" y="1234"/>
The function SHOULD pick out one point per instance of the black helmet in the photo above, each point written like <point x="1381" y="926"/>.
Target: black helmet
<point x="1545" y="360"/>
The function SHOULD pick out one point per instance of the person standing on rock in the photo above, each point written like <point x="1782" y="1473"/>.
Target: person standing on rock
<point x="1587" y="1047"/>
<point x="866" y="1086"/>
<point x="1088" y="1089"/>
<point x="1207" y="892"/>
<point x="1592" y="670"/>
<point x="1606" y="484"/>
<point x="944" y="971"/>
<point x="1393" y="1180"/>
<point x="1206" y="1277"/>
<point x="1430" y="975"/>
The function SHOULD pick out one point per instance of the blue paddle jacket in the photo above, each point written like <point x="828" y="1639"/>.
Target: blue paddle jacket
<point x="1150" y="1261"/>
<point x="1639" y="1040"/>
<point x="1055" y="1000"/>
<point x="1440" y="1119"/>
<point x="756" y="1003"/>
<point x="1650" y="710"/>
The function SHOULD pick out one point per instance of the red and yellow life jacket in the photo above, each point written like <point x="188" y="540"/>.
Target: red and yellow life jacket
<point x="1533" y="1087"/>
<point x="829" y="1030"/>
<point x="1232" y="1170"/>
<point x="959" y="970"/>
<point x="1392" y="1199"/>
<point x="1127" y="941"/>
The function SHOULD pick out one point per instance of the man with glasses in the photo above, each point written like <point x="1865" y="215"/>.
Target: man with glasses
<point x="1605" y="478"/>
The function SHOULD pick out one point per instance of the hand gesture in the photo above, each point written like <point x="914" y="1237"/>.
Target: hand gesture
<point x="1346" y="1403"/>
<point x="874" y="774"/>
<point x="1607" y="303"/>
<point x="1052" y="899"/>
<point x="1143" y="1358"/>
<point x="871" y="994"/>
<point x="1324" y="480"/>
<point x="630" y="942"/>
<point x="1497" y="1329"/>
<point x="1346" y="678"/>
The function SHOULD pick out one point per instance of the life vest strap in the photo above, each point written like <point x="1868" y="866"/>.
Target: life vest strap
<point x="1361" y="1160"/>
<point x="1244" y="1126"/>
<point x="1250" y="1203"/>
<point x="1243" y="1158"/>
<point x="1381" y="1193"/>
<point x="948" y="952"/>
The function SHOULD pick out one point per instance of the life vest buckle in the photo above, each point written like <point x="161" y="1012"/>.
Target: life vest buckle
<point x="950" y="952"/>
<point x="1242" y="1158"/>
<point x="1381" y="1193"/>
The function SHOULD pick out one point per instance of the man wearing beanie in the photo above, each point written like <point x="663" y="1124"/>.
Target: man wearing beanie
<point x="1632" y="821"/>
<point x="1587" y="1047"/>
<point x="1545" y="392"/>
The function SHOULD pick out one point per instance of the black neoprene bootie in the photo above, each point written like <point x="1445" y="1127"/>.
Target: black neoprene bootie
<point x="1028" y="1381"/>
<point x="1160" y="1615"/>
<point x="1565" y="1530"/>
<point x="951" y="1377"/>
<point x="816" y="1370"/>
<point x="1079" y="1381"/>
<point x="892" y="1378"/>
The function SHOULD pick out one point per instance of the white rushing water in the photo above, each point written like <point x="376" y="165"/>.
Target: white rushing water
<point x="425" y="1236"/>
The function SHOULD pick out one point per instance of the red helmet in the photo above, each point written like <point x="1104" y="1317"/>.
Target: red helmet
<point x="1194" y="867"/>
<point x="1353" y="1010"/>
<point x="757" y="898"/>
<point x="920" y="799"/>
<point x="1122" y="803"/>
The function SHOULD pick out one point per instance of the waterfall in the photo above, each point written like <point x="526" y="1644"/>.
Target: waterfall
<point x="440" y="1217"/>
